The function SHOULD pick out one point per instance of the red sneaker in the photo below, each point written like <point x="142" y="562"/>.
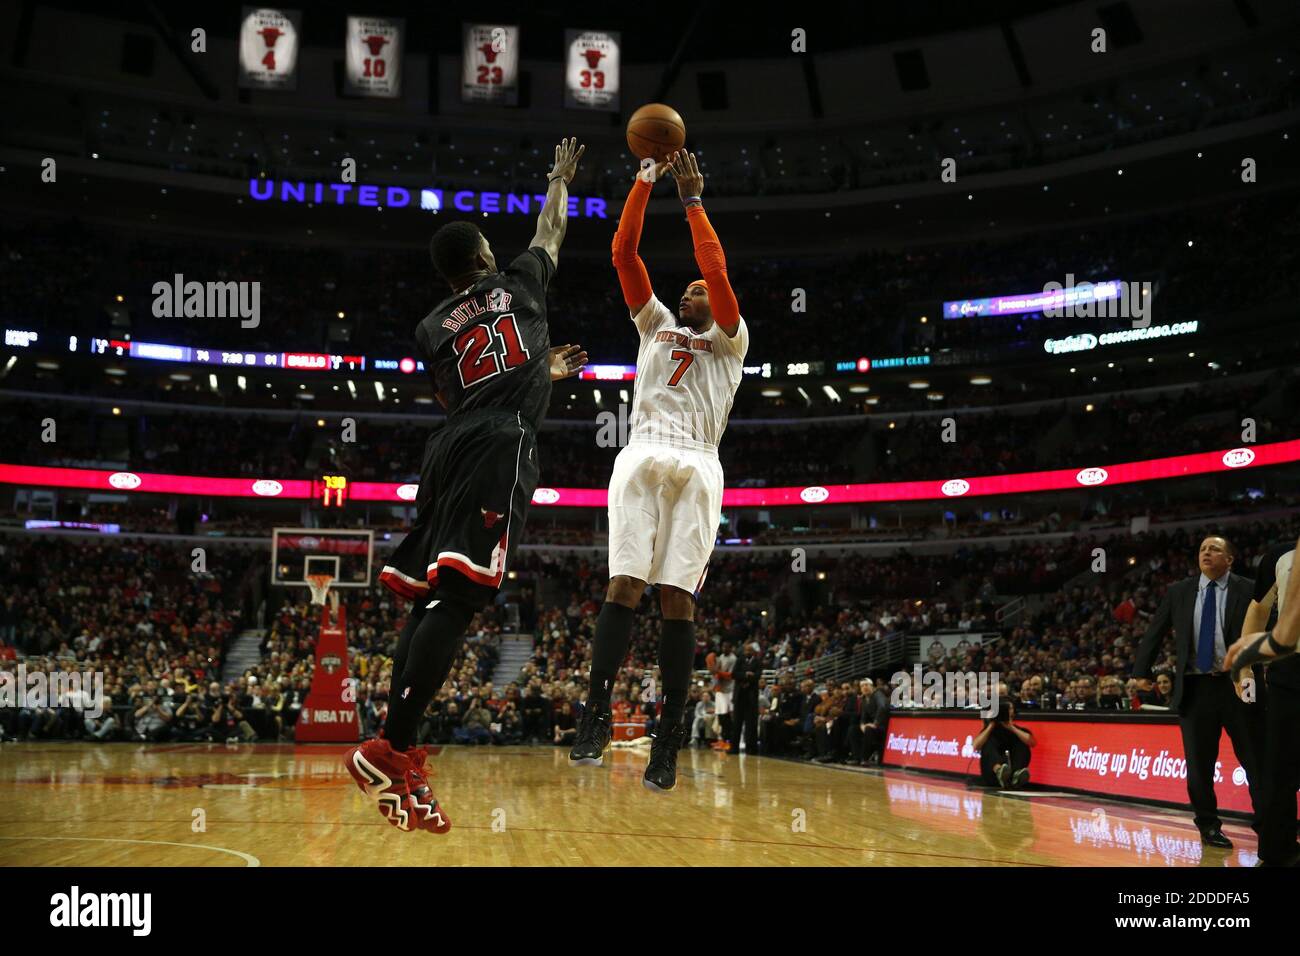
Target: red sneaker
<point x="398" y="781"/>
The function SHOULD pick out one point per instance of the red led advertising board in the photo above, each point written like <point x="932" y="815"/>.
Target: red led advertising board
<point x="1136" y="758"/>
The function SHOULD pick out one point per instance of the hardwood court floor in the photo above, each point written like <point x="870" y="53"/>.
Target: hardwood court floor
<point x="281" y="805"/>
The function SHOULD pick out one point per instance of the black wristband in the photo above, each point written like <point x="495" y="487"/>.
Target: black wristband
<point x="1250" y="654"/>
<point x="1278" y="649"/>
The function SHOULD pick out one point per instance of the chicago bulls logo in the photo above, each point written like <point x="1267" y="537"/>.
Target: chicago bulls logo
<point x="489" y="52"/>
<point x="490" y="518"/>
<point x="593" y="58"/>
<point x="376" y="44"/>
<point x="270" y="35"/>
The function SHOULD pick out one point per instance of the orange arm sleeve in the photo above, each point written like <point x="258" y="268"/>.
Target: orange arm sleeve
<point x="713" y="269"/>
<point x="632" y="275"/>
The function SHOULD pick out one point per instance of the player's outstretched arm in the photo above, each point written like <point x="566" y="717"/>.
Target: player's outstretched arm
<point x="708" y="250"/>
<point x="632" y="275"/>
<point x="554" y="218"/>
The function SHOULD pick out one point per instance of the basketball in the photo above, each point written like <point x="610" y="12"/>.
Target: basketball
<point x="655" y="131"/>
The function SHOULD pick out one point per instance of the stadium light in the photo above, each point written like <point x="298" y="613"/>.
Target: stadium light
<point x="833" y="395"/>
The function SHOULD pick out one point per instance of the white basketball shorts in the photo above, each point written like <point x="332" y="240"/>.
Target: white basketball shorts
<point x="665" y="504"/>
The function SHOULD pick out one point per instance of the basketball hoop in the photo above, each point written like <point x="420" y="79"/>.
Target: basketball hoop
<point x="320" y="585"/>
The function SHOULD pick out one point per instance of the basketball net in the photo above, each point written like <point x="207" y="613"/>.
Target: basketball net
<point x="320" y="585"/>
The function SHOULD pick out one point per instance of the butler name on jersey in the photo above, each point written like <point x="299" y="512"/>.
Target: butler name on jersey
<point x="686" y="381"/>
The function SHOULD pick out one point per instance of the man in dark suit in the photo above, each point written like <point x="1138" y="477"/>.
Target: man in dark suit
<point x="746" y="676"/>
<point x="875" y="726"/>
<point x="1206" y="614"/>
<point x="783" y="728"/>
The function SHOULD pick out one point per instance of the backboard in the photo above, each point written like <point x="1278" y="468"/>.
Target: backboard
<point x="297" y="552"/>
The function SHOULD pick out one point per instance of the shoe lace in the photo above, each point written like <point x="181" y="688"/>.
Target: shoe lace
<point x="416" y="774"/>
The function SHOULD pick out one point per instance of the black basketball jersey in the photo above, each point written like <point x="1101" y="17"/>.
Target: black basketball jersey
<point x="489" y="346"/>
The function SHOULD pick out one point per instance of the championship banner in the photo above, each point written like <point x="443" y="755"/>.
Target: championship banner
<point x="490" y="65"/>
<point x="373" y="59"/>
<point x="268" y="48"/>
<point x="591" y="70"/>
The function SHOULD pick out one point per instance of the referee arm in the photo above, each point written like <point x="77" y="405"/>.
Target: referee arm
<point x="1253" y="647"/>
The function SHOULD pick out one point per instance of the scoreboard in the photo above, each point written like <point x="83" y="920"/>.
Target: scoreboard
<point x="331" y="491"/>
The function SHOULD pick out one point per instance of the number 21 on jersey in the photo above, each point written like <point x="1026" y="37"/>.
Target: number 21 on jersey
<point x="483" y="351"/>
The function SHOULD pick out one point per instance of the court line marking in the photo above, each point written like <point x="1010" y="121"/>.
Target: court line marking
<point x="248" y="858"/>
<point x="613" y="833"/>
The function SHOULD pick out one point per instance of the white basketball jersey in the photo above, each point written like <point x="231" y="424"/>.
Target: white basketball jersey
<point x="685" y="381"/>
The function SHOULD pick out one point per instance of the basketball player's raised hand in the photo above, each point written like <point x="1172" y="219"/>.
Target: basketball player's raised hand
<point x="652" y="172"/>
<point x="567" y="361"/>
<point x="690" y="181"/>
<point x="567" y="155"/>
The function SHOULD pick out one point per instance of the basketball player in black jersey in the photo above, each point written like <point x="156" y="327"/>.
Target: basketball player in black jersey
<point x="487" y="348"/>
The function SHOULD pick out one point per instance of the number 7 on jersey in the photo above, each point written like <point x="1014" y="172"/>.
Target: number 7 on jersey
<point x="684" y="360"/>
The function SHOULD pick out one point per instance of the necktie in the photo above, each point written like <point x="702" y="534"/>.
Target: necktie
<point x="1205" y="647"/>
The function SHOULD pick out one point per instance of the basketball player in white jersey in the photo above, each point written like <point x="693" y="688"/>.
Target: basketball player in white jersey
<point x="665" y="495"/>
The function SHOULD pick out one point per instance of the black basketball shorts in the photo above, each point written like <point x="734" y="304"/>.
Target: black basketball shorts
<point x="476" y="483"/>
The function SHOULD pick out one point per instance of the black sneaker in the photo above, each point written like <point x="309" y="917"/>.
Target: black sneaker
<point x="661" y="772"/>
<point x="593" y="737"/>
<point x="1020" y="777"/>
